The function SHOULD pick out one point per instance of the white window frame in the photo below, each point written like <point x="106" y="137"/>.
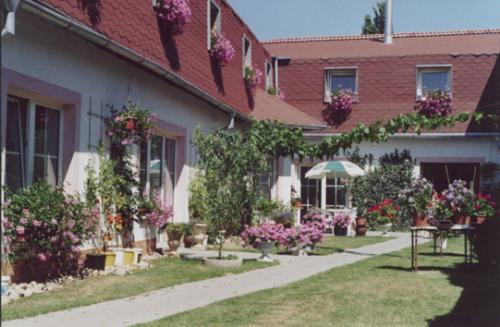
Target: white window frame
<point x="269" y="74"/>
<point x="218" y="22"/>
<point x="246" y="55"/>
<point x="329" y="71"/>
<point x="147" y="186"/>
<point x="429" y="69"/>
<point x="29" y="159"/>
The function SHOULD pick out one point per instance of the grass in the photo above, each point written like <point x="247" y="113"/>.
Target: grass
<point x="330" y="245"/>
<point x="164" y="273"/>
<point x="380" y="291"/>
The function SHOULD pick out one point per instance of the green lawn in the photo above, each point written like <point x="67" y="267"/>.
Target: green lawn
<point x="330" y="244"/>
<point x="380" y="291"/>
<point x="165" y="272"/>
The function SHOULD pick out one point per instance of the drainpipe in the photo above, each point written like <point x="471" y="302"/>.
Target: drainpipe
<point x="10" y="20"/>
<point x="388" y="22"/>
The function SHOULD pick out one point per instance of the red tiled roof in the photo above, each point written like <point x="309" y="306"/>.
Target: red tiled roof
<point x="404" y="44"/>
<point x="270" y="107"/>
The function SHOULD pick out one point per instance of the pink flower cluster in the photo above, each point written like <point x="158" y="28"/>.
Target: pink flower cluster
<point x="222" y="49"/>
<point x="253" y="77"/>
<point x="434" y="104"/>
<point x="339" y="107"/>
<point x="161" y="216"/>
<point x="255" y="235"/>
<point x="341" y="220"/>
<point x="176" y="13"/>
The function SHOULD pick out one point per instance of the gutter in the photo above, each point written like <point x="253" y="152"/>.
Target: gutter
<point x="100" y="40"/>
<point x="422" y="135"/>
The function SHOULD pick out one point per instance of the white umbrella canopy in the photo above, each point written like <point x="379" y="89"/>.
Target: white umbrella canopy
<point x="335" y="169"/>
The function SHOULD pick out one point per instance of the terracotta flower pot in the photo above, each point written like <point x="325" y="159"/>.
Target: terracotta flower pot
<point x="479" y="220"/>
<point x="361" y="221"/>
<point x="461" y="220"/>
<point x="360" y="226"/>
<point x="420" y="221"/>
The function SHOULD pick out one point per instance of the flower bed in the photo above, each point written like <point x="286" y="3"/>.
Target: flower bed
<point x="47" y="224"/>
<point x="221" y="49"/>
<point x="434" y="104"/>
<point x="175" y="13"/>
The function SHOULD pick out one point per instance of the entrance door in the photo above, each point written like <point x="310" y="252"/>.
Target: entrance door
<point x="443" y="174"/>
<point x="310" y="192"/>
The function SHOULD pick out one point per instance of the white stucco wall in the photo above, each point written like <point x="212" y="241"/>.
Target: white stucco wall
<point x="45" y="52"/>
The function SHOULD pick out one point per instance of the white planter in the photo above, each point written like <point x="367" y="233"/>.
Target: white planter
<point x="5" y="284"/>
<point x="265" y="248"/>
<point x="230" y="263"/>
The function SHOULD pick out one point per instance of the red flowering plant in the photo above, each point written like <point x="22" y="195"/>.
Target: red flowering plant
<point x="130" y="125"/>
<point x="221" y="48"/>
<point x="383" y="213"/>
<point x="46" y="223"/>
<point x="253" y="77"/>
<point x="175" y="13"/>
<point x="483" y="206"/>
<point x="339" y="107"/>
<point x="435" y="103"/>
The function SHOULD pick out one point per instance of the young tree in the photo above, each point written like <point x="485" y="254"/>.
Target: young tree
<point x="375" y="25"/>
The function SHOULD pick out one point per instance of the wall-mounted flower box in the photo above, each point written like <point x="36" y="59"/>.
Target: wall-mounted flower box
<point x="221" y="49"/>
<point x="339" y="107"/>
<point x="174" y="13"/>
<point x="436" y="103"/>
<point x="253" y="77"/>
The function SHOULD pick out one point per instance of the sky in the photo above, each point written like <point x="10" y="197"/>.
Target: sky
<point x="270" y="19"/>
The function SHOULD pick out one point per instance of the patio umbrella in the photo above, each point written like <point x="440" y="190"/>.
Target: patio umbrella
<point x="335" y="169"/>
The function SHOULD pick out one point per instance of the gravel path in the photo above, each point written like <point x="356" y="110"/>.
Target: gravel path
<point x="169" y="301"/>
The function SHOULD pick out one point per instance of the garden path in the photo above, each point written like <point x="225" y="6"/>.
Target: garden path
<point x="172" y="300"/>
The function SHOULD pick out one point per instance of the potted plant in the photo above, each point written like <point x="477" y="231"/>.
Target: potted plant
<point x="339" y="107"/>
<point x="417" y="199"/>
<point x="253" y="77"/>
<point x="361" y="227"/>
<point x="174" y="234"/>
<point x="174" y="13"/>
<point x="381" y="215"/>
<point x="460" y="200"/>
<point x="262" y="237"/>
<point x="340" y="224"/>
<point x="483" y="207"/>
<point x="435" y="103"/>
<point x="188" y="239"/>
<point x="290" y="239"/>
<point x="295" y="198"/>
<point x="221" y="48"/>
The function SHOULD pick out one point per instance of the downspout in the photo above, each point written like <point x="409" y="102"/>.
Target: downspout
<point x="10" y="19"/>
<point x="388" y="22"/>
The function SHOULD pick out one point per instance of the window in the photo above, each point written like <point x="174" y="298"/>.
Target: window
<point x="214" y="21"/>
<point x="266" y="180"/>
<point x="269" y="77"/>
<point x="431" y="78"/>
<point x="157" y="167"/>
<point x="310" y="191"/>
<point x="340" y="79"/>
<point x="32" y="143"/>
<point x="335" y="193"/>
<point x="247" y="54"/>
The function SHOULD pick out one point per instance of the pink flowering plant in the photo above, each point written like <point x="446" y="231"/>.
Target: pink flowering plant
<point x="221" y="48"/>
<point x="130" y="125"/>
<point x="339" y="107"/>
<point x="434" y="104"/>
<point x="253" y="77"/>
<point x="46" y="223"/>
<point x="341" y="221"/>
<point x="175" y="13"/>
<point x="256" y="235"/>
<point x="155" y="213"/>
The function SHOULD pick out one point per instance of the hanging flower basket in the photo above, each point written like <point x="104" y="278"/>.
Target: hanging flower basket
<point x="221" y="49"/>
<point x="175" y="14"/>
<point x="253" y="77"/>
<point x="339" y="108"/>
<point x="132" y="125"/>
<point x="434" y="104"/>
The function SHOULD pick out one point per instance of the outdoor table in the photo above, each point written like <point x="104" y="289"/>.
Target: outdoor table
<point x="467" y="230"/>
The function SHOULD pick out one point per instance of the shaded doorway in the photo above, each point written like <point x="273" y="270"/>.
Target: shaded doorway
<point x="442" y="174"/>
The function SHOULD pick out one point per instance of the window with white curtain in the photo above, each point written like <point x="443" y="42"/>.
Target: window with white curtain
<point x="157" y="167"/>
<point x="32" y="143"/>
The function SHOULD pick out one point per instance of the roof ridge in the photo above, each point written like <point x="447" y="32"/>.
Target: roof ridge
<point x="378" y="36"/>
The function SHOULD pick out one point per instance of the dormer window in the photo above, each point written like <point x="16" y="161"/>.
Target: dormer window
<point x="214" y="22"/>
<point x="247" y="53"/>
<point x="432" y="78"/>
<point x="269" y="78"/>
<point x="340" y="79"/>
